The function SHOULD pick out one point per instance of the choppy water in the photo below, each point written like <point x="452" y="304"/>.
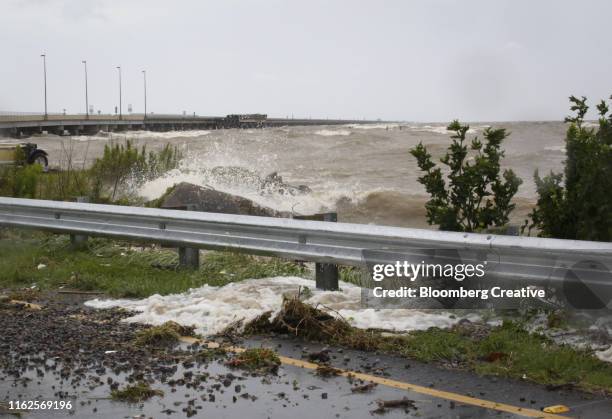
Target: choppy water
<point x="365" y="172"/>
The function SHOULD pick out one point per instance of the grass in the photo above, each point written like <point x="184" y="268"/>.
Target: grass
<point x="509" y="351"/>
<point x="539" y="359"/>
<point x="135" y="393"/>
<point x="119" y="270"/>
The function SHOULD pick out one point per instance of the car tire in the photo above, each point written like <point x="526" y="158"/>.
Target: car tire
<point x="40" y="159"/>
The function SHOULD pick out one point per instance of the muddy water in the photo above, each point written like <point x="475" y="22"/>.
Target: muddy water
<point x="365" y="172"/>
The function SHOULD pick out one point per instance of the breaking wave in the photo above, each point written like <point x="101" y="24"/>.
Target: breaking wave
<point x="131" y="135"/>
<point x="331" y="133"/>
<point x="373" y="126"/>
<point x="435" y="129"/>
<point x="368" y="206"/>
<point x="441" y="129"/>
<point x="373" y="206"/>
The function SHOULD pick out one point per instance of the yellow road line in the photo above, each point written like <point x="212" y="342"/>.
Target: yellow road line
<point x="459" y="398"/>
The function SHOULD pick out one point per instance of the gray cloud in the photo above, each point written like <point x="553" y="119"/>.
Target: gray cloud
<point x="417" y="60"/>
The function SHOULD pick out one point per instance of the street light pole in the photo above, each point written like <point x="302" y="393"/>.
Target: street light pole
<point x="120" y="113"/>
<point x="44" y="57"/>
<point x="86" y="95"/>
<point x="144" y="74"/>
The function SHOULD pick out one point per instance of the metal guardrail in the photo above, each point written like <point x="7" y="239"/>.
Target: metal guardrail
<point x="524" y="258"/>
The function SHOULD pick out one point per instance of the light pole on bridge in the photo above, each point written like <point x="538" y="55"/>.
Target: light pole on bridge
<point x="44" y="57"/>
<point x="120" y="113"/>
<point x="144" y="75"/>
<point x="86" y="95"/>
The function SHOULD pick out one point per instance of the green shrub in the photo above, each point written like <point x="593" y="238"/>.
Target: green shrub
<point x="20" y="181"/>
<point x="476" y="197"/>
<point x="122" y="162"/>
<point x="581" y="207"/>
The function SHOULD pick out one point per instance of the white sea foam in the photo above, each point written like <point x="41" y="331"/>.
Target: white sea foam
<point x="436" y="129"/>
<point x="605" y="355"/>
<point x="441" y="129"/>
<point x="332" y="133"/>
<point x="125" y="135"/>
<point x="373" y="126"/>
<point x="211" y="309"/>
<point x="585" y="331"/>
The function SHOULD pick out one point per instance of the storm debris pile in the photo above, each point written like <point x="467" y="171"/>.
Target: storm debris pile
<point x="312" y="323"/>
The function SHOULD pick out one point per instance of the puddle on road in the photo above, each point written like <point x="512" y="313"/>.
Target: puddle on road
<point x="214" y="389"/>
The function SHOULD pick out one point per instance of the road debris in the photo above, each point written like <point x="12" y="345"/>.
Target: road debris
<point x="365" y="388"/>
<point x="135" y="393"/>
<point x="327" y="371"/>
<point x="167" y="334"/>
<point x="262" y="360"/>
<point x="385" y="405"/>
<point x="558" y="408"/>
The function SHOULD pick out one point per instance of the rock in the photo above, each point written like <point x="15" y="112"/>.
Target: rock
<point x="210" y="200"/>
<point x="272" y="184"/>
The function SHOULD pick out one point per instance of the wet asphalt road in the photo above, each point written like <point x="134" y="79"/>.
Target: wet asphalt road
<point x="299" y="392"/>
<point x="210" y="389"/>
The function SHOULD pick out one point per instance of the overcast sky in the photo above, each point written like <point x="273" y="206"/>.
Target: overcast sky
<point x="414" y="60"/>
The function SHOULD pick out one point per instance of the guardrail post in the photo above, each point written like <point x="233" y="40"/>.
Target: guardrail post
<point x="78" y="241"/>
<point x="189" y="257"/>
<point x="326" y="274"/>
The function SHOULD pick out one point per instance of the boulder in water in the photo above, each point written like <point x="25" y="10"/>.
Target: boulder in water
<point x="273" y="183"/>
<point x="207" y="199"/>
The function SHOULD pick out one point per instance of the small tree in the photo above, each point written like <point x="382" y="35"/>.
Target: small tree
<point x="122" y="162"/>
<point x="475" y="197"/>
<point x="580" y="209"/>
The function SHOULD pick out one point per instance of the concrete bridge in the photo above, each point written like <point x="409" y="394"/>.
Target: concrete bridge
<point x="24" y="125"/>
